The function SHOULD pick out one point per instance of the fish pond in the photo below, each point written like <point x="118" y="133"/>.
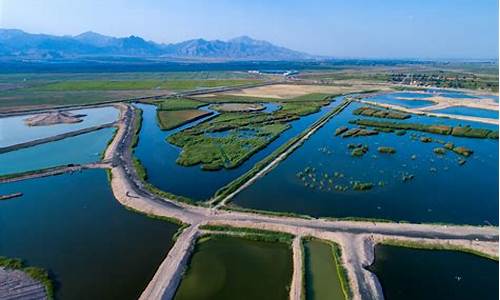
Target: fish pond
<point x="406" y="273"/>
<point x="225" y="267"/>
<point x="92" y="247"/>
<point x="80" y="149"/>
<point x="322" y="278"/>
<point x="159" y="156"/>
<point x="469" y="111"/>
<point x="339" y="176"/>
<point x="14" y="131"/>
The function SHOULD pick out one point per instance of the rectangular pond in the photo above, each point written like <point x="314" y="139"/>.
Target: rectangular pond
<point x="414" y="184"/>
<point x="413" y="274"/>
<point x="72" y="226"/>
<point x="14" y="131"/>
<point x="225" y="267"/>
<point x="159" y="157"/>
<point x="80" y="149"/>
<point x="322" y="278"/>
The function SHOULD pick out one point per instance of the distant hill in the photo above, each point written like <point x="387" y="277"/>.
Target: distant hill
<point x="17" y="43"/>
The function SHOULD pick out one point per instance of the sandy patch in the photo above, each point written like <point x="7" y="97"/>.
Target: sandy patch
<point x="237" y="107"/>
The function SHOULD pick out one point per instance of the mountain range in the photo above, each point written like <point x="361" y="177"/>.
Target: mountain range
<point x="16" y="43"/>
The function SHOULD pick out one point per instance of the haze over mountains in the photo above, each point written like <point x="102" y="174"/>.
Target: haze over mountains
<point x="16" y="43"/>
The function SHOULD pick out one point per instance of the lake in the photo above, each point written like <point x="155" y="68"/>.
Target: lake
<point x="90" y="244"/>
<point x="441" y="190"/>
<point x="158" y="157"/>
<point x="80" y="149"/>
<point x="406" y="273"/>
<point x="14" y="131"/>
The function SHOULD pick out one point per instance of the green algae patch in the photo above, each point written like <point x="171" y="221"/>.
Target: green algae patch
<point x="323" y="279"/>
<point x="386" y="150"/>
<point x="226" y="267"/>
<point x="380" y="113"/>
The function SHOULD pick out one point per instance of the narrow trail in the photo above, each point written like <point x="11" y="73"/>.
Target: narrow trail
<point x="297" y="278"/>
<point x="168" y="276"/>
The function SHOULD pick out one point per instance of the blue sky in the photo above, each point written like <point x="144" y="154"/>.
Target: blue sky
<point x="349" y="28"/>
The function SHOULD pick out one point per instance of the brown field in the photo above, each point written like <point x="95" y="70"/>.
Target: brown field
<point x="234" y="107"/>
<point x="287" y="91"/>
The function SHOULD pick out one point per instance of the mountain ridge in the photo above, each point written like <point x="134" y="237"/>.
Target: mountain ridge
<point x="17" y="43"/>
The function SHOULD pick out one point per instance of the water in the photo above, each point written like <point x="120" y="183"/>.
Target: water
<point x="434" y="274"/>
<point x="441" y="191"/>
<point x="80" y="149"/>
<point x="322" y="278"/>
<point x="392" y="98"/>
<point x="14" y="131"/>
<point x="91" y="245"/>
<point x="159" y="156"/>
<point x="469" y="111"/>
<point x="236" y="268"/>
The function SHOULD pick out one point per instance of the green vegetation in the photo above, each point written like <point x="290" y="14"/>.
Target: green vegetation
<point x="170" y="119"/>
<point x="463" y="151"/>
<point x="380" y="113"/>
<point x="387" y="150"/>
<point x="354" y="132"/>
<point x="440" y="151"/>
<point x="178" y="104"/>
<point x="137" y="127"/>
<point x="244" y="231"/>
<point x="340" y="130"/>
<point x="36" y="273"/>
<point x="461" y="131"/>
<point x="200" y="145"/>
<point x="435" y="246"/>
<point x="362" y="186"/>
<point x="358" y="150"/>
<point x="175" y="85"/>
<point x="226" y="98"/>
<point x="235" y="184"/>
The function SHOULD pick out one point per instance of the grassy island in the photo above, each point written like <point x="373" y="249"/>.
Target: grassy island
<point x="175" y="112"/>
<point x="460" y="131"/>
<point x="227" y="140"/>
<point x="380" y="113"/>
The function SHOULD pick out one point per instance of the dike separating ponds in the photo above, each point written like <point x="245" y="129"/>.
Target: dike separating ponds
<point x="353" y="237"/>
<point x="54" y="138"/>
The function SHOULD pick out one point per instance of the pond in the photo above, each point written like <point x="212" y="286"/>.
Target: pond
<point x="440" y="188"/>
<point x="227" y="267"/>
<point x="406" y="273"/>
<point x="159" y="157"/>
<point x="322" y="278"/>
<point x="469" y="111"/>
<point x="90" y="244"/>
<point x="14" y="131"/>
<point x="418" y="100"/>
<point x="80" y="149"/>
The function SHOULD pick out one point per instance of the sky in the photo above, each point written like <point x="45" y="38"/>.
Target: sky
<point x="422" y="29"/>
